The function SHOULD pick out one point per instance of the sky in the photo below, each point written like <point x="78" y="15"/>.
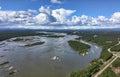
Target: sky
<point x="60" y="14"/>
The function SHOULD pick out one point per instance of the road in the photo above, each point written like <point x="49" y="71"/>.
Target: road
<point x="116" y="56"/>
<point x="105" y="67"/>
<point x="109" y="49"/>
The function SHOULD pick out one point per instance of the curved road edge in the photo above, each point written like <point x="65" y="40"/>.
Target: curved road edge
<point x="116" y="56"/>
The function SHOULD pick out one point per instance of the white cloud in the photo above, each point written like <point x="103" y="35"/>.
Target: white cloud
<point x="61" y="14"/>
<point x="115" y="18"/>
<point x="16" y="16"/>
<point x="81" y="20"/>
<point x="60" y="27"/>
<point x="54" y="17"/>
<point x="42" y="18"/>
<point x="45" y="10"/>
<point x="56" y="1"/>
<point x="45" y="18"/>
<point x="116" y="15"/>
<point x="30" y="11"/>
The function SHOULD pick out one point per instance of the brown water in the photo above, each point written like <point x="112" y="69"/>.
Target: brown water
<point x="36" y="61"/>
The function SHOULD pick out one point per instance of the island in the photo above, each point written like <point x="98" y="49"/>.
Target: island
<point x="53" y="36"/>
<point x="81" y="48"/>
<point x="33" y="44"/>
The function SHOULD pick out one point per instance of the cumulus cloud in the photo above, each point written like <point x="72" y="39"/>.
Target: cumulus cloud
<point x="56" y="1"/>
<point x="115" y="18"/>
<point x="52" y="17"/>
<point x="62" y="14"/>
<point x="45" y="10"/>
<point x="45" y="18"/>
<point x="42" y="19"/>
<point x="17" y="17"/>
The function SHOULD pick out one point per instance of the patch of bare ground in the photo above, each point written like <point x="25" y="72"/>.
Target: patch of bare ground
<point x="116" y="70"/>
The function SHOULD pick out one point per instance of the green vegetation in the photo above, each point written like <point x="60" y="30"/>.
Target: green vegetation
<point x="7" y="34"/>
<point x="18" y="39"/>
<point x="82" y="73"/>
<point x="101" y="40"/>
<point x="105" y="39"/>
<point x="78" y="46"/>
<point x="116" y="63"/>
<point x="89" y="71"/>
<point x="105" y="55"/>
<point x="116" y="48"/>
<point x="54" y="36"/>
<point x="108" y="73"/>
<point x="33" y="44"/>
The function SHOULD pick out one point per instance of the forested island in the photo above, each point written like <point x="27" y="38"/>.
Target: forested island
<point x="81" y="48"/>
<point x="33" y="44"/>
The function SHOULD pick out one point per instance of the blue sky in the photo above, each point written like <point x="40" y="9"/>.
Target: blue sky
<point x="76" y="12"/>
<point x="88" y="7"/>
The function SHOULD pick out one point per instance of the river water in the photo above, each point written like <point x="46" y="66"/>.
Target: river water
<point x="35" y="61"/>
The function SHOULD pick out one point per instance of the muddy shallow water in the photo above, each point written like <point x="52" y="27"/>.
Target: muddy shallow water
<point x="35" y="61"/>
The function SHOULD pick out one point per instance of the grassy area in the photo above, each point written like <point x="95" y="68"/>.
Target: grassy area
<point x="106" y="62"/>
<point x="116" y="63"/>
<point x="108" y="73"/>
<point x="33" y="44"/>
<point x="78" y="46"/>
<point x="102" y="40"/>
<point x="116" y="48"/>
<point x="105" y="55"/>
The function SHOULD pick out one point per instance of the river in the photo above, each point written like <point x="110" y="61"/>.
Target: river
<point x="36" y="61"/>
